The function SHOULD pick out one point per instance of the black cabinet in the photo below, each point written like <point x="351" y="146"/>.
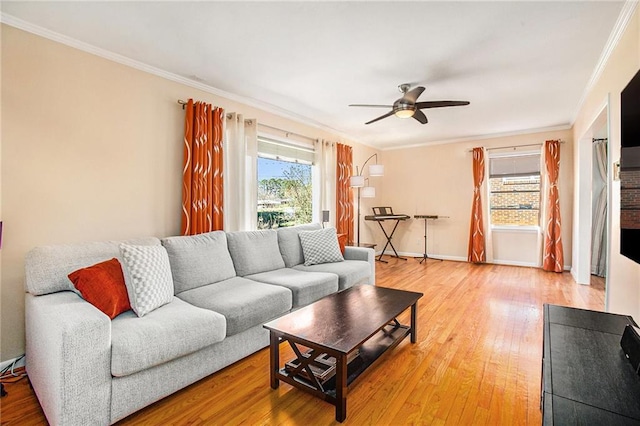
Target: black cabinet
<point x="586" y="378"/>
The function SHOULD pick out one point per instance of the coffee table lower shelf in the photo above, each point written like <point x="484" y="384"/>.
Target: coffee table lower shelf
<point x="325" y="387"/>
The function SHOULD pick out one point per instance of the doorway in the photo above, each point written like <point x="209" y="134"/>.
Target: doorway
<point x="592" y="211"/>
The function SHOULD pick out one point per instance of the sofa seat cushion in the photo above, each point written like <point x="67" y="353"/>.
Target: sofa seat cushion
<point x="306" y="287"/>
<point x="166" y="333"/>
<point x="349" y="272"/>
<point x="243" y="302"/>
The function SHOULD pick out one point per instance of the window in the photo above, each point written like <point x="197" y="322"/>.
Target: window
<point x="284" y="183"/>
<point x="514" y="185"/>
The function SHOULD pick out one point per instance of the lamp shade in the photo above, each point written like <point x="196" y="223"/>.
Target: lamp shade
<point x="368" y="192"/>
<point x="376" y="170"/>
<point x="356" y="181"/>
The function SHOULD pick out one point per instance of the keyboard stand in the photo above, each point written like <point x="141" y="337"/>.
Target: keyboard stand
<point x="389" y="243"/>
<point x="424" y="256"/>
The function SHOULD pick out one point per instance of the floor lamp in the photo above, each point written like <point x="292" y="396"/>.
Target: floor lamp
<point x="359" y="181"/>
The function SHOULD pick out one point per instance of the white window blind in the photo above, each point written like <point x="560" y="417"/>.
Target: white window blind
<point x="285" y="151"/>
<point x="514" y="165"/>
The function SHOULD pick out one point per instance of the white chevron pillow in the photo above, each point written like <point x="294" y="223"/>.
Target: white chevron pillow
<point x="320" y="246"/>
<point x="147" y="275"/>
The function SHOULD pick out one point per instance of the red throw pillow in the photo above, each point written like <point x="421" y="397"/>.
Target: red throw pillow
<point x="342" y="241"/>
<point x="103" y="286"/>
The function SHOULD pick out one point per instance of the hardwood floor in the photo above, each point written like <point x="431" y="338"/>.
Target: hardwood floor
<point x="477" y="360"/>
<point x="597" y="282"/>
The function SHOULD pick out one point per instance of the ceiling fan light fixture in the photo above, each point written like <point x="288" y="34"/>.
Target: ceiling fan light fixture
<point x="405" y="113"/>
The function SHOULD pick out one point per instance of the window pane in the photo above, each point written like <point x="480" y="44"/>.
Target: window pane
<point x="515" y="200"/>
<point x="284" y="193"/>
<point x="283" y="151"/>
<point x="514" y="165"/>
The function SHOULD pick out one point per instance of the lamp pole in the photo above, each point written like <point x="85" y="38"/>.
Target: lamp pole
<point x="358" y="181"/>
<point x="358" y="234"/>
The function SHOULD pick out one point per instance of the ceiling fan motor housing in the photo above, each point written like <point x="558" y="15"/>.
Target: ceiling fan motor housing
<point x="403" y="109"/>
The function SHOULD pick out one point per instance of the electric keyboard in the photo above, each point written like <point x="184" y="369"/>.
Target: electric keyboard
<point x="380" y="214"/>
<point x="387" y="217"/>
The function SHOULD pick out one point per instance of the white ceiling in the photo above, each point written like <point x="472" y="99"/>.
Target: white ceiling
<point x="522" y="65"/>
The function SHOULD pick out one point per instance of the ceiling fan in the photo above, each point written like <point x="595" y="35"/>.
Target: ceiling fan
<point x="407" y="106"/>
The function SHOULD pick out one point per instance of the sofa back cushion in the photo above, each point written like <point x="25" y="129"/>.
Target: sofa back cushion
<point x="47" y="267"/>
<point x="254" y="251"/>
<point x="289" y="242"/>
<point x="198" y="260"/>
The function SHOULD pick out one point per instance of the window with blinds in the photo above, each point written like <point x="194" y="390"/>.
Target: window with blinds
<point x="285" y="151"/>
<point x="514" y="185"/>
<point x="285" y="189"/>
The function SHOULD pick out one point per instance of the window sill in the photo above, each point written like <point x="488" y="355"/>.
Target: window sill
<point x="516" y="229"/>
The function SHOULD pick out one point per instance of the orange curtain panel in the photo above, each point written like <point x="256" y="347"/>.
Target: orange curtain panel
<point x="202" y="169"/>
<point x="552" y="256"/>
<point x="476" y="252"/>
<point x="344" y="195"/>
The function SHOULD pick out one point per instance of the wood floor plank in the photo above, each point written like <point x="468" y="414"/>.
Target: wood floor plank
<point x="477" y="360"/>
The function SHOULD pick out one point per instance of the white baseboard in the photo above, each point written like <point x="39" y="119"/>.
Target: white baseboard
<point x="5" y="364"/>
<point x="431" y="256"/>
<point x="464" y="259"/>
<point x="515" y="263"/>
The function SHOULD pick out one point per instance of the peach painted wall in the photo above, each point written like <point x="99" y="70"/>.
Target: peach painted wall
<point x="91" y="150"/>
<point x="624" y="275"/>
<point x="437" y="180"/>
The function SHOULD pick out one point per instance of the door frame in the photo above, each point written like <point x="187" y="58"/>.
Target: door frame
<point x="582" y="207"/>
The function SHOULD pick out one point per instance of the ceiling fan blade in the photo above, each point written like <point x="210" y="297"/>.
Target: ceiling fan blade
<point x="419" y="115"/>
<point x="371" y="106"/>
<point x="381" y="117"/>
<point x="440" y="104"/>
<point x="413" y="94"/>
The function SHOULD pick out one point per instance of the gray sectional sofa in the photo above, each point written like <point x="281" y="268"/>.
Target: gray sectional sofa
<point x="89" y="370"/>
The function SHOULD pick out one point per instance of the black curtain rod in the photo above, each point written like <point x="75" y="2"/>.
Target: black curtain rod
<point x="594" y="140"/>
<point x="286" y="132"/>
<point x="184" y="104"/>
<point x="514" y="146"/>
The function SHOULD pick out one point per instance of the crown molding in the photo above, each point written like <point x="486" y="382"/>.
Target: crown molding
<point x="141" y="66"/>
<point x="11" y="20"/>
<point x="482" y="137"/>
<point x="619" y="28"/>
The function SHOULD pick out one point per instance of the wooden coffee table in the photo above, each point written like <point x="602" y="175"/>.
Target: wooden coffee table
<point x="338" y="337"/>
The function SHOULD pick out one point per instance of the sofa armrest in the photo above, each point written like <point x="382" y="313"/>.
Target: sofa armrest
<point x="68" y="358"/>
<point x="362" y="253"/>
